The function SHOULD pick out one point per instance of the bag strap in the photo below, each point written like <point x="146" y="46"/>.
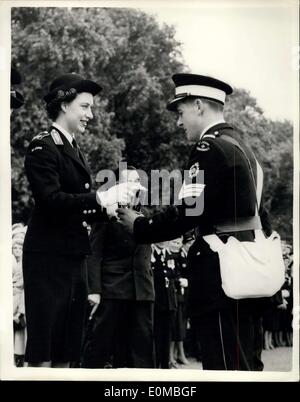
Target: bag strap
<point x="260" y="180"/>
<point x="259" y="185"/>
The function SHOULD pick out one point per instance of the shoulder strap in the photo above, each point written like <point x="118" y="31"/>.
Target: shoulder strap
<point x="259" y="185"/>
<point x="40" y="136"/>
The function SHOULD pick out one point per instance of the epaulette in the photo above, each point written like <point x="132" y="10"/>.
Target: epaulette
<point x="56" y="137"/>
<point x="40" y="136"/>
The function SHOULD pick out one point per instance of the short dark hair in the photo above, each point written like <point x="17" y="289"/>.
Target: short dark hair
<point x="53" y="107"/>
<point x="215" y="105"/>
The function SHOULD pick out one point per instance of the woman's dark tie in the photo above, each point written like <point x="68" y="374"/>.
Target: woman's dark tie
<point x="76" y="148"/>
<point x="78" y="152"/>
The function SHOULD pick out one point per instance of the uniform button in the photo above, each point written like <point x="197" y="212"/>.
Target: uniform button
<point x="84" y="224"/>
<point x="85" y="211"/>
<point x="94" y="211"/>
<point x="89" y="211"/>
<point x="87" y="186"/>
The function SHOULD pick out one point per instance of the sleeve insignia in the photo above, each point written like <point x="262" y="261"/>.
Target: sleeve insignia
<point x="194" y="170"/>
<point x="191" y="190"/>
<point x="36" y="148"/>
<point x="56" y="138"/>
<point x="203" y="146"/>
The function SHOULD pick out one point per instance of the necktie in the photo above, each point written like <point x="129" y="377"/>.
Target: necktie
<point x="76" y="147"/>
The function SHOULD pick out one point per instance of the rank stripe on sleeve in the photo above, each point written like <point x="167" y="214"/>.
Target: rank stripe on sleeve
<point x="191" y="190"/>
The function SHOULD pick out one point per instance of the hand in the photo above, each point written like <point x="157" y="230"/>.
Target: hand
<point x="120" y="193"/>
<point x="283" y="306"/>
<point x="94" y="301"/>
<point x="127" y="217"/>
<point x="111" y="211"/>
<point x="183" y="282"/>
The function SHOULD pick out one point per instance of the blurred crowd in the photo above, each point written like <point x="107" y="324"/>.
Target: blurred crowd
<point x="174" y="336"/>
<point x="19" y="320"/>
<point x="277" y="320"/>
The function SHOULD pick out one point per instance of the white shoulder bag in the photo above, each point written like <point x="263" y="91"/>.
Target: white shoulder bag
<point x="250" y="269"/>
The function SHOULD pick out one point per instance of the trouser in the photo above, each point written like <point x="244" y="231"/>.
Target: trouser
<point x="121" y="332"/>
<point x="228" y="339"/>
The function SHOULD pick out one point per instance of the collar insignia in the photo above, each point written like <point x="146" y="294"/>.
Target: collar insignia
<point x="56" y="137"/>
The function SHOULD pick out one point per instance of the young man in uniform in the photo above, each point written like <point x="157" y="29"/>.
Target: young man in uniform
<point x="218" y="196"/>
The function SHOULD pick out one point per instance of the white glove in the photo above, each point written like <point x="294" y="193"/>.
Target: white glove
<point x="111" y="210"/>
<point x="120" y="193"/>
<point x="183" y="282"/>
<point x="94" y="301"/>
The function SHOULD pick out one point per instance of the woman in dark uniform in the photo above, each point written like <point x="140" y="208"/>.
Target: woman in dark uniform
<point x="56" y="242"/>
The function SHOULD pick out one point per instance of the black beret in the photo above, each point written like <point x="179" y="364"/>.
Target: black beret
<point x="72" y="80"/>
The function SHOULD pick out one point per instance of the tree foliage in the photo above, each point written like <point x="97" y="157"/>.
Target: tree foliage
<point x="133" y="58"/>
<point x="272" y="143"/>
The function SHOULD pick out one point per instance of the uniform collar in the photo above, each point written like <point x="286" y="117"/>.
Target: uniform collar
<point x="159" y="251"/>
<point x="68" y="148"/>
<point x="215" y="123"/>
<point x="217" y="130"/>
<point x="68" y="136"/>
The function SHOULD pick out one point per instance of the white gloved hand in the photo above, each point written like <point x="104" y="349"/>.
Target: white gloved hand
<point x="111" y="210"/>
<point x="94" y="301"/>
<point x="120" y="193"/>
<point x="183" y="282"/>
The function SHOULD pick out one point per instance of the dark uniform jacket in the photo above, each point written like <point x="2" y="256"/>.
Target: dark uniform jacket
<point x="118" y="267"/>
<point x="64" y="205"/>
<point x="229" y="193"/>
<point x="181" y="271"/>
<point x="163" y="268"/>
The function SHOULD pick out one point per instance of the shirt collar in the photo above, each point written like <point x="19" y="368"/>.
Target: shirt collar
<point x="68" y="136"/>
<point x="159" y="250"/>
<point x="211" y="125"/>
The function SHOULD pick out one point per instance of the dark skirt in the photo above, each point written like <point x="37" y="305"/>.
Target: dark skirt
<point x="55" y="301"/>
<point x="179" y="324"/>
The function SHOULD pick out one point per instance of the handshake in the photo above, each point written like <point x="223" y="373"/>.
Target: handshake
<point x="121" y="194"/>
